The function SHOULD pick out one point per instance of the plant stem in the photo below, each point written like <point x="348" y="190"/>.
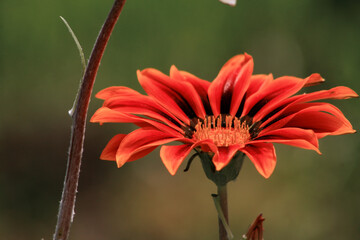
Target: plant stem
<point x="222" y="195"/>
<point x="67" y="203"/>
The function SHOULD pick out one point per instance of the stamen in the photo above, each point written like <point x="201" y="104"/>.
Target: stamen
<point x="231" y="131"/>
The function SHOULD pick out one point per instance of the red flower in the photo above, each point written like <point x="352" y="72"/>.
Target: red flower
<point x="238" y="111"/>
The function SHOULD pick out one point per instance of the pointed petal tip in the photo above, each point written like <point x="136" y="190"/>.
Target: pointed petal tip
<point x="95" y="117"/>
<point x="314" y="79"/>
<point x="98" y="95"/>
<point x="172" y="172"/>
<point x="92" y="119"/>
<point x="102" y="94"/>
<point x="173" y="67"/>
<point x="120" y="161"/>
<point x="247" y="56"/>
<point x="349" y="131"/>
<point x="109" y="152"/>
<point x="168" y="166"/>
<point x="263" y="156"/>
<point x="164" y="158"/>
<point x="175" y="73"/>
<point x="346" y="92"/>
<point x="139" y="73"/>
<point x="173" y="156"/>
<point x="219" y="166"/>
<point x="266" y="176"/>
<point x="106" y="92"/>
<point x="104" y="157"/>
<point x="170" y="169"/>
<point x="119" y="164"/>
<point x="150" y="72"/>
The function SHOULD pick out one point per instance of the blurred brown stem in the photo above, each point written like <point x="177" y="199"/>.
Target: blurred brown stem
<point x="67" y="203"/>
<point x="222" y="195"/>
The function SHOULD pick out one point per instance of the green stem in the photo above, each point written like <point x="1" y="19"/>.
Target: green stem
<point x="221" y="205"/>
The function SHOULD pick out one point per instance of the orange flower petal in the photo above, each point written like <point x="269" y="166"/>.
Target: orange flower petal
<point x="107" y="115"/>
<point x="141" y="140"/>
<point x="313" y="79"/>
<point x="322" y="123"/>
<point x="297" y="110"/>
<point x="142" y="105"/>
<point x="224" y="156"/>
<point x="263" y="156"/>
<point x="334" y="93"/>
<point x="173" y="156"/>
<point x="115" y="92"/>
<point x="340" y="92"/>
<point x="236" y="72"/>
<point x="256" y="91"/>
<point x="109" y="152"/>
<point x="201" y="87"/>
<point x="156" y="84"/>
<point x="191" y="95"/>
<point x="279" y="89"/>
<point x="241" y="85"/>
<point x="293" y="136"/>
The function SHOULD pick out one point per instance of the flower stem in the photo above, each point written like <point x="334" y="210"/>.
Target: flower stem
<point x="221" y="205"/>
<point x="222" y="193"/>
<point x="67" y="203"/>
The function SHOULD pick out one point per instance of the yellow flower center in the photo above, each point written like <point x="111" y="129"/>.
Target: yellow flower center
<point x="223" y="132"/>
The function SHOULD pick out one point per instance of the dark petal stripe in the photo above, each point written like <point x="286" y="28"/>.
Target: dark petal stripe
<point x="179" y="97"/>
<point x="227" y="90"/>
<point x="142" y="105"/>
<point x="334" y="93"/>
<point x="201" y="86"/>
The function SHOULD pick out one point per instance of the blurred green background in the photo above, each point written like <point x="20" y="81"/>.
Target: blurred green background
<point x="308" y="196"/>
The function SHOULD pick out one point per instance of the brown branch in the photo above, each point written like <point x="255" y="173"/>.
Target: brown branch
<point x="67" y="204"/>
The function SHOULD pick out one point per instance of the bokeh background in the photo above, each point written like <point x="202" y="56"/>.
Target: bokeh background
<point x="308" y="196"/>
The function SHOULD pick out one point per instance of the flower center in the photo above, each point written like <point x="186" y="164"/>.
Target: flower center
<point x="222" y="131"/>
